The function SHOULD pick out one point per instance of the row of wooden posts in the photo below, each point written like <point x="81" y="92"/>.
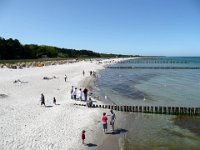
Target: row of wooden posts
<point x="132" y="67"/>
<point x="155" y="62"/>
<point x="152" y="109"/>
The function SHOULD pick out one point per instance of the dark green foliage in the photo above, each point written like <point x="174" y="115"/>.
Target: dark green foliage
<point x="10" y="49"/>
<point x="13" y="49"/>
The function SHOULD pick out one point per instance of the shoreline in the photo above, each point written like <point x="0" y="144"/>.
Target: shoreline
<point x="109" y="140"/>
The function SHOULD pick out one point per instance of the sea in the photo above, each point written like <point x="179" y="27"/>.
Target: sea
<point x="154" y="81"/>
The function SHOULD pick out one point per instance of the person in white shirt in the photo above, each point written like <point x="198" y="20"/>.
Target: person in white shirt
<point x="112" y="119"/>
<point x="65" y="77"/>
<point x="75" y="93"/>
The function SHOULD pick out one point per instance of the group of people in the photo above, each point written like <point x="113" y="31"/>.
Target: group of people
<point x="93" y="73"/>
<point x="43" y="100"/>
<point x="79" y="94"/>
<point x="104" y="120"/>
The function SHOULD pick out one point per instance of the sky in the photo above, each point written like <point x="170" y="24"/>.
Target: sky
<point x="135" y="27"/>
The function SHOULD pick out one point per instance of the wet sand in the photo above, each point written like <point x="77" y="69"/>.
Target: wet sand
<point x="114" y="140"/>
<point x="191" y="123"/>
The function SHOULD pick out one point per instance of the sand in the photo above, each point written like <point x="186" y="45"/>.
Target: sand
<point x="25" y="124"/>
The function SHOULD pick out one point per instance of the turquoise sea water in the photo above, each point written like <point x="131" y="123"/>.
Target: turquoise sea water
<point x="155" y="87"/>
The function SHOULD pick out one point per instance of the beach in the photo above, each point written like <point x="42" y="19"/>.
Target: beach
<point x="25" y="124"/>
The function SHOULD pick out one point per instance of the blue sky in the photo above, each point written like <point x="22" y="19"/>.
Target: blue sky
<point x="137" y="27"/>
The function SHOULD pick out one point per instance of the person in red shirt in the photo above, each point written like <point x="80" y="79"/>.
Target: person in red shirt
<point x="83" y="136"/>
<point x="104" y="122"/>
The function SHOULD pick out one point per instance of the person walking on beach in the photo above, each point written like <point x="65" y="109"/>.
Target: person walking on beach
<point x="72" y="92"/>
<point x="83" y="72"/>
<point x="90" y="73"/>
<point x="104" y="122"/>
<point x="65" y="78"/>
<point x="112" y="119"/>
<point x="54" y="101"/>
<point x="42" y="100"/>
<point x="75" y="92"/>
<point x="85" y="91"/>
<point x="83" y="137"/>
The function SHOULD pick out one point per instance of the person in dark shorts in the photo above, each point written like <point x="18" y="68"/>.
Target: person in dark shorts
<point x="85" y="91"/>
<point x="54" y="101"/>
<point x="65" y="77"/>
<point x="42" y="100"/>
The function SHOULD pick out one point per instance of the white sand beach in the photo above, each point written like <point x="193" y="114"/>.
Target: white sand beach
<point x="25" y="124"/>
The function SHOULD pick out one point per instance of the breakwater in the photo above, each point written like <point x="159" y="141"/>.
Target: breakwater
<point x="170" y="110"/>
<point x="153" y="61"/>
<point x="131" y="67"/>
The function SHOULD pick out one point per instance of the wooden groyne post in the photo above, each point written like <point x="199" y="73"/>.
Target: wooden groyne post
<point x="156" y="67"/>
<point x="170" y="110"/>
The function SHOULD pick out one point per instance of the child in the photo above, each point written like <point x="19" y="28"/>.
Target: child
<point x="54" y="101"/>
<point x="83" y="136"/>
